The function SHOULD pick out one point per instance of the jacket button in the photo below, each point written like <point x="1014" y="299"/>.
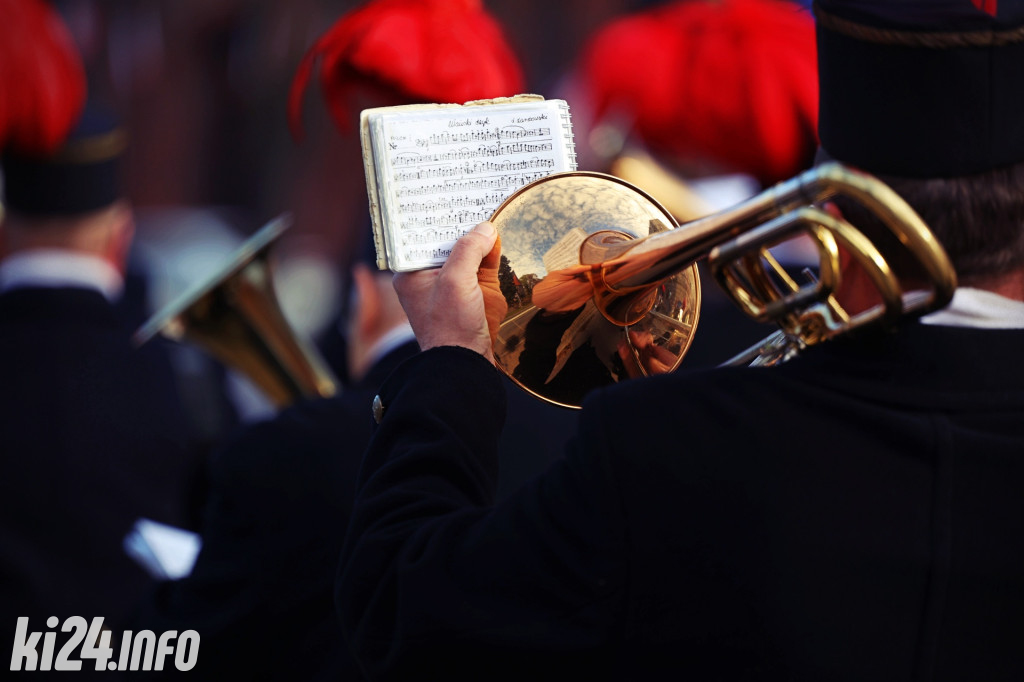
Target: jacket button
<point x="378" y="409"/>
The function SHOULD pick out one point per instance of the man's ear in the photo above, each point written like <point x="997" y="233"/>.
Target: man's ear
<point x="366" y="303"/>
<point x="120" y="235"/>
<point x="857" y="292"/>
<point x="362" y="326"/>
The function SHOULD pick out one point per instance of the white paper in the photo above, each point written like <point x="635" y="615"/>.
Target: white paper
<point x="167" y="552"/>
<point x="450" y="168"/>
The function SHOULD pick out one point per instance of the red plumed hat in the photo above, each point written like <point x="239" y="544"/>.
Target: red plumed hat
<point x="42" y="80"/>
<point x="733" y="82"/>
<point x="412" y="51"/>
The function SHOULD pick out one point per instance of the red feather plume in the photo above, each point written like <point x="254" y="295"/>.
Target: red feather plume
<point x="408" y="51"/>
<point x="42" y="79"/>
<point x="730" y="81"/>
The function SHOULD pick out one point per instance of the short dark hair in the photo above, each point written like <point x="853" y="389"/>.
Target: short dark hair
<point x="978" y="218"/>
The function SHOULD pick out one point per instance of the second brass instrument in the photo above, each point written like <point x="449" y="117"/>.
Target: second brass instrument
<point x="235" y="317"/>
<point x="601" y="282"/>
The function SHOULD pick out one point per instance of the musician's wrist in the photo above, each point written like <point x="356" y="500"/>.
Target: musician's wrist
<point x="442" y="340"/>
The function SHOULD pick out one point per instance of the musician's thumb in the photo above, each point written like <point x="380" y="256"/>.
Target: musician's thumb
<point x="469" y="251"/>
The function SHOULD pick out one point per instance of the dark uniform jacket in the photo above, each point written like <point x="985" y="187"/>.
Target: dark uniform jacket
<point x="260" y="593"/>
<point x="855" y="514"/>
<point x="90" y="440"/>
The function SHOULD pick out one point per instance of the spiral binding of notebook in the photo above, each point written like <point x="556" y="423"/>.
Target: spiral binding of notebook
<point x="570" y="139"/>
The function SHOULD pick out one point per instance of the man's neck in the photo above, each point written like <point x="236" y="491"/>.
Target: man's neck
<point x="992" y="303"/>
<point x="1009" y="286"/>
<point x="361" y="361"/>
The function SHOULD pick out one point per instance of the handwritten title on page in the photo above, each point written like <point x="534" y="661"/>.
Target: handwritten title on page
<point x="450" y="173"/>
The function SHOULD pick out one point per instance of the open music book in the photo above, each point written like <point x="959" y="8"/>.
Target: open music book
<point x="433" y="171"/>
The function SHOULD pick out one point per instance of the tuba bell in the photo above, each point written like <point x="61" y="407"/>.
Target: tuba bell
<point x="601" y="282"/>
<point x="235" y="316"/>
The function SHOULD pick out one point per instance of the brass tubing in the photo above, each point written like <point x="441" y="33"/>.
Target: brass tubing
<point x="628" y="269"/>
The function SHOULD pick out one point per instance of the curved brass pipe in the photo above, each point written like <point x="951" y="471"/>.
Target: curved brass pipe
<point x="623" y="268"/>
<point x="235" y="316"/>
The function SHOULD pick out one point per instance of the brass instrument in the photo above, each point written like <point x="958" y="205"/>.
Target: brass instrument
<point x="601" y="283"/>
<point x="642" y="170"/>
<point x="235" y="316"/>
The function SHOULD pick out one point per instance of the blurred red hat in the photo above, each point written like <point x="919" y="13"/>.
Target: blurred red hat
<point x="42" y="79"/>
<point x="409" y="51"/>
<point x="733" y="82"/>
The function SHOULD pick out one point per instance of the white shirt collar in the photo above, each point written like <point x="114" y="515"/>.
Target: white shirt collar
<point x="390" y="341"/>
<point x="979" y="309"/>
<point x="55" y="268"/>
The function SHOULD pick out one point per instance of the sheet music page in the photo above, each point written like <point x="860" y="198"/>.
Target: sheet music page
<point x="449" y="169"/>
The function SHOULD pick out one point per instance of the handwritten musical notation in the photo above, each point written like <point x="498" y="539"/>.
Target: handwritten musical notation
<point x="445" y="170"/>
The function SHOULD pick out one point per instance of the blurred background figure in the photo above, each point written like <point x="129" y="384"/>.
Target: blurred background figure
<point x="392" y="52"/>
<point x="702" y="103"/>
<point x="93" y="437"/>
<point x="260" y="592"/>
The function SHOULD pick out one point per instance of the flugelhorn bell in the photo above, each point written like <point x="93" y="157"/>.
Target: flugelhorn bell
<point x="561" y="348"/>
<point x="602" y="285"/>
<point x="235" y="316"/>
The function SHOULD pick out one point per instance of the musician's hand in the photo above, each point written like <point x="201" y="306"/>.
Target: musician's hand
<point x="642" y="357"/>
<point x="459" y="304"/>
